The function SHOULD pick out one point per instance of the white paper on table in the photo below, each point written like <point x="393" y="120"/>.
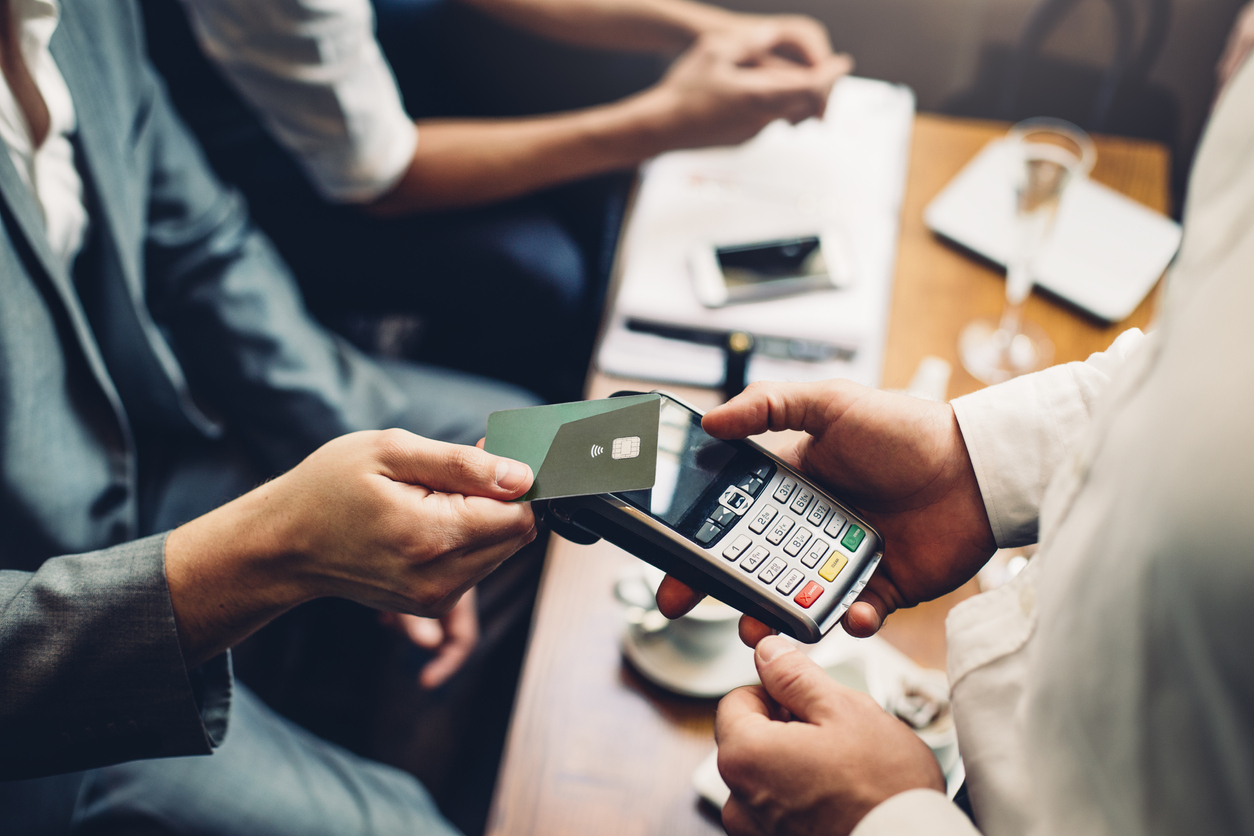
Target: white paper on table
<point x="1105" y="253"/>
<point x="841" y="177"/>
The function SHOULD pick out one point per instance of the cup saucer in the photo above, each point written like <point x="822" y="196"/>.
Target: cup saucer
<point x="658" y="660"/>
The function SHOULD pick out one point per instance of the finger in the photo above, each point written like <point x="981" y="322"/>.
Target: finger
<point x="811" y="99"/>
<point x="780" y="89"/>
<point x="878" y="600"/>
<point x="451" y="468"/>
<point x="481" y="443"/>
<point x="675" y="598"/>
<point x="787" y="87"/>
<point x="458" y="524"/>
<point x="440" y="582"/>
<point x="753" y="631"/>
<point x="782" y="406"/>
<point x="862" y="621"/>
<point x="461" y="633"/>
<point x="738" y="821"/>
<point x="424" y="632"/>
<point x="794" y="681"/>
<point x="741" y="711"/>
<point x="835" y="68"/>
<point x="471" y="564"/>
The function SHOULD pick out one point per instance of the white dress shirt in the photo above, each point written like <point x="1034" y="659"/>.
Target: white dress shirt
<point x="314" y="72"/>
<point x="1109" y="688"/>
<point x="49" y="170"/>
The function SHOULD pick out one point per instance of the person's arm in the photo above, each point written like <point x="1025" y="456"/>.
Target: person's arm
<point x="317" y="79"/>
<point x="1020" y="432"/>
<point x="739" y="73"/>
<point x="946" y="484"/>
<point x="716" y="94"/>
<point x="388" y="519"/>
<point x="91" y="670"/>
<point x="319" y="82"/>
<point x="117" y="654"/>
<point x="231" y="311"/>
<point x="653" y="25"/>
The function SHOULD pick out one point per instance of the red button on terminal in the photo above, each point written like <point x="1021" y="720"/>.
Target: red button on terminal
<point x="810" y="593"/>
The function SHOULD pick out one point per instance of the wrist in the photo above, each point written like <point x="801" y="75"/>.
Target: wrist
<point x="703" y="19"/>
<point x="234" y="569"/>
<point x="637" y="128"/>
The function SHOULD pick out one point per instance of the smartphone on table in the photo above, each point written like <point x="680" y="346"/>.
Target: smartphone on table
<point x="726" y="275"/>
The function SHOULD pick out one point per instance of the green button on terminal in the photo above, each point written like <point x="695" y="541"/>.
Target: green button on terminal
<point x="853" y="538"/>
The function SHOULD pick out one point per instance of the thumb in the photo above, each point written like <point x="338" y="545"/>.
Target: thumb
<point x="794" y="681"/>
<point x="450" y="468"/>
<point x="775" y="406"/>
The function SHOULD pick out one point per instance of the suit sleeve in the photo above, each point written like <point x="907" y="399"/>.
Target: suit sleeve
<point x="1019" y="432"/>
<point x="93" y="672"/>
<point x="231" y="310"/>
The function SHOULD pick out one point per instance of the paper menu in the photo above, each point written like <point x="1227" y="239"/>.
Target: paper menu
<point x="842" y="177"/>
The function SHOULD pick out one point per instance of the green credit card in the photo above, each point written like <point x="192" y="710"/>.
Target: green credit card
<point x="577" y="449"/>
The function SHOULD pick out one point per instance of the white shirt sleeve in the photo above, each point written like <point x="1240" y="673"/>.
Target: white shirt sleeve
<point x="915" y="811"/>
<point x="316" y="76"/>
<point x="1019" y="431"/>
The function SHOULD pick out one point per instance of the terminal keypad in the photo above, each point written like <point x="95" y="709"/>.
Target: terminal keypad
<point x="792" y="553"/>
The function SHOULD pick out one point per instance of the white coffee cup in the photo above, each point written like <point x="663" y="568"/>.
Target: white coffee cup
<point x="706" y="631"/>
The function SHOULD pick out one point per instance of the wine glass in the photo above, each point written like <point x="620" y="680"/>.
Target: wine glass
<point x="1047" y="155"/>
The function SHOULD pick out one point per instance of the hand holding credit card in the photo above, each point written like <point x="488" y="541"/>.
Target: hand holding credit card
<point x="582" y="448"/>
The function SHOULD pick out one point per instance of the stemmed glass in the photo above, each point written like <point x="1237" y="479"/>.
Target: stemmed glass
<point x="1048" y="154"/>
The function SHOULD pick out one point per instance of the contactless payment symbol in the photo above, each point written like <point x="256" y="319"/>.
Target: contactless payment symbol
<point x="597" y="450"/>
<point x="626" y="448"/>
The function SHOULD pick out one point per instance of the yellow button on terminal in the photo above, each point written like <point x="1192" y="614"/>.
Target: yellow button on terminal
<point x="829" y="570"/>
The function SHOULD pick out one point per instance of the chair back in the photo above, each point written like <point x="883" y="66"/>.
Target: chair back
<point x="1137" y="45"/>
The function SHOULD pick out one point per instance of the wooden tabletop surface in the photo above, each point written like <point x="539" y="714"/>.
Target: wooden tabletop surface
<point x="595" y="749"/>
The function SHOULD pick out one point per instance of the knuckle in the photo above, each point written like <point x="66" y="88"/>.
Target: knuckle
<point x="429" y="599"/>
<point x="759" y="389"/>
<point x="461" y="457"/>
<point x="740" y="761"/>
<point x="391" y="444"/>
<point x="734" y="765"/>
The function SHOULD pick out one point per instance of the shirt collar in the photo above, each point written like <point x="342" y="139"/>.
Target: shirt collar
<point x="36" y="20"/>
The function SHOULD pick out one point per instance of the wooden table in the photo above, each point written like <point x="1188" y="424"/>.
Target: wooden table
<point x="595" y="749"/>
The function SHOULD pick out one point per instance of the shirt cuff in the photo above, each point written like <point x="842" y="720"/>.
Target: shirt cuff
<point x="1013" y="449"/>
<point x="1019" y="432"/>
<point x="211" y="688"/>
<point x="916" y="811"/>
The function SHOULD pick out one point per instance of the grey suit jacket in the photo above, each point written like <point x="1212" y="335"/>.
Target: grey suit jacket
<point x="190" y="322"/>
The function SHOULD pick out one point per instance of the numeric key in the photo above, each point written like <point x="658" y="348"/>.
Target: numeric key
<point x="737" y="546"/>
<point x="797" y="542"/>
<point x="777" y="534"/>
<point x="754" y="558"/>
<point x="814" y="554"/>
<point x="801" y="501"/>
<point x="772" y="570"/>
<point x="759" y="523"/>
<point x="785" y="489"/>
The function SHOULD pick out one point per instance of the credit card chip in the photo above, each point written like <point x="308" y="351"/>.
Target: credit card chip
<point x="626" y="448"/>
